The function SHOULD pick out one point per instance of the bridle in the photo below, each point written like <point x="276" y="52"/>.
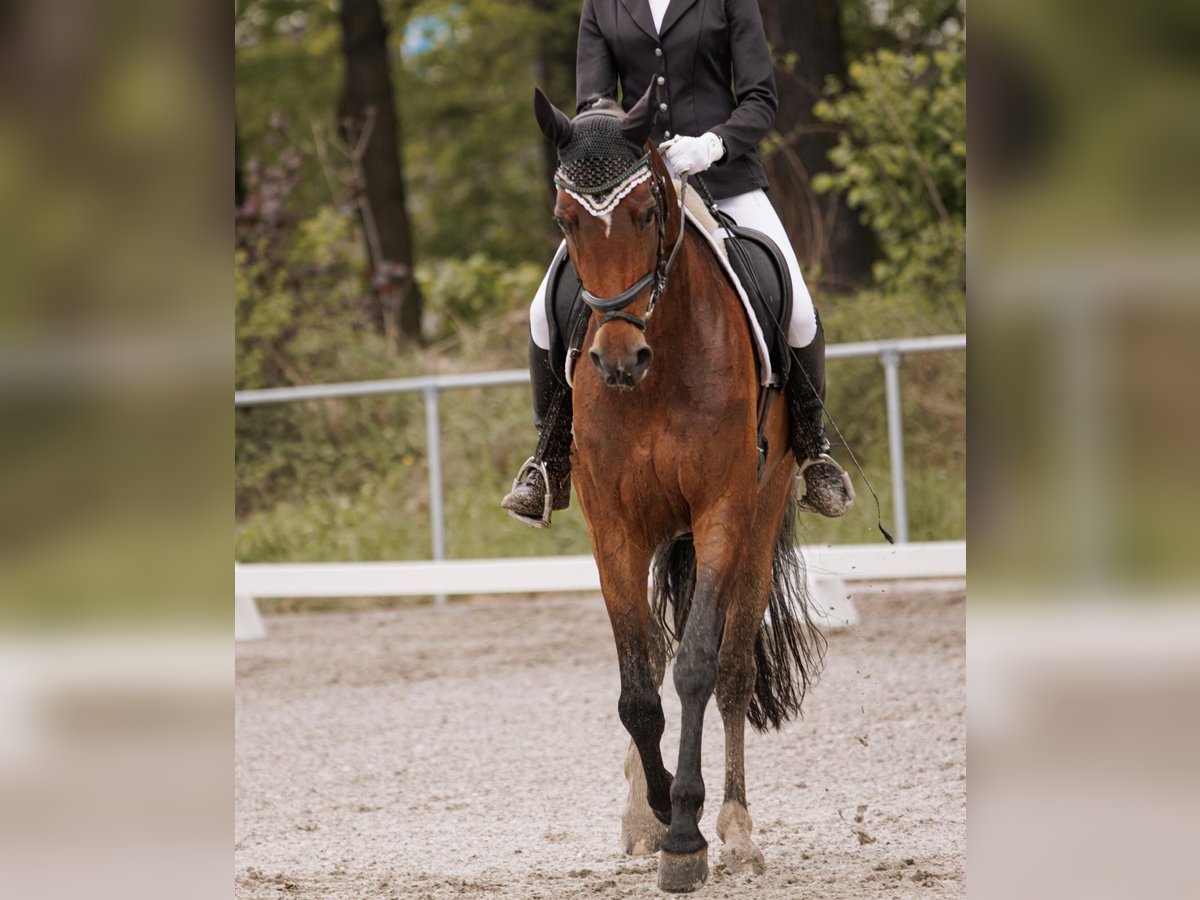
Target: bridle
<point x="656" y="279"/>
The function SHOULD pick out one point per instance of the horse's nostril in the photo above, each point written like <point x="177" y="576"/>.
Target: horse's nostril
<point x="641" y="362"/>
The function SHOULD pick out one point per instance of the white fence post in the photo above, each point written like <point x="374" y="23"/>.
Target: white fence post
<point x="433" y="444"/>
<point x="895" y="428"/>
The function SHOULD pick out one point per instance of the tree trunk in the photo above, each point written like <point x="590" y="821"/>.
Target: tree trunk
<point x="239" y="178"/>
<point x="824" y="229"/>
<point x="369" y="123"/>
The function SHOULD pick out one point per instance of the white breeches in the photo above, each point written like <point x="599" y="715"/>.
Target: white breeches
<point x="750" y="210"/>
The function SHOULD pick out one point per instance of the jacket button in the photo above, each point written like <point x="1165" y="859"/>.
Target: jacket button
<point x="658" y="51"/>
<point x="661" y="81"/>
<point x="666" y="134"/>
<point x="663" y="107"/>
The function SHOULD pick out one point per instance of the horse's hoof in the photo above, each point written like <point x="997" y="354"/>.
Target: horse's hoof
<point x="642" y="835"/>
<point x="643" y="838"/>
<point x="742" y="858"/>
<point x="642" y="846"/>
<point x="682" y="873"/>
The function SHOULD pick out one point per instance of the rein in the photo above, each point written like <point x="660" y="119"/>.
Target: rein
<point x="656" y="278"/>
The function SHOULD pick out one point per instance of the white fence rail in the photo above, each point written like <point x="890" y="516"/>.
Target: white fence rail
<point x="829" y="570"/>
<point x="520" y="575"/>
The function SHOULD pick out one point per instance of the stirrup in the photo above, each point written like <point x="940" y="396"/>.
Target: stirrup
<point x="535" y="465"/>
<point x="826" y="459"/>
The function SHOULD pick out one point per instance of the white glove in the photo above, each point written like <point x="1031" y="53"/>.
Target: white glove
<point x="692" y="155"/>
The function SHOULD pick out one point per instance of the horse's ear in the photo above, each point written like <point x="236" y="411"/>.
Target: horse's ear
<point x="640" y="122"/>
<point x="553" y="121"/>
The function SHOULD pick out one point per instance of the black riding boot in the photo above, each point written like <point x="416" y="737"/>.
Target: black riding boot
<point x="528" y="501"/>
<point x="827" y="486"/>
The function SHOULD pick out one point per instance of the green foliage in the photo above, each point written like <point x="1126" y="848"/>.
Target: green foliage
<point x="463" y="80"/>
<point x="289" y="74"/>
<point x="475" y="168"/>
<point x="462" y="291"/>
<point x="298" y="296"/>
<point x="901" y="159"/>
<point x="934" y="403"/>
<point x="870" y="25"/>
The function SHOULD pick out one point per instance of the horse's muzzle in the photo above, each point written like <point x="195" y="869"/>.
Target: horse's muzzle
<point x="625" y="372"/>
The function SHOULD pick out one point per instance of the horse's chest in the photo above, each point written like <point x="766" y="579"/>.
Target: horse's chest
<point x="655" y="453"/>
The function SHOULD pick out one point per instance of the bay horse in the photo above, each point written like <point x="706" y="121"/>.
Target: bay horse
<point x="665" y="465"/>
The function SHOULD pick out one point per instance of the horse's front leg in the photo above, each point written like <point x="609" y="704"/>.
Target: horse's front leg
<point x="720" y="545"/>
<point x="641" y="830"/>
<point x="624" y="574"/>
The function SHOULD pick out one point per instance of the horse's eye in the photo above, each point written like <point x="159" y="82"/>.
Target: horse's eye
<point x="648" y="215"/>
<point x="562" y="224"/>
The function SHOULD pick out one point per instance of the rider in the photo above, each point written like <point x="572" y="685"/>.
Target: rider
<point x="693" y="52"/>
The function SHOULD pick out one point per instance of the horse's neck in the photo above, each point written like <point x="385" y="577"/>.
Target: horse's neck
<point x="699" y="297"/>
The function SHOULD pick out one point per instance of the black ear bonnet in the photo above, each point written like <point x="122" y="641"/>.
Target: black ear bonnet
<point x="598" y="157"/>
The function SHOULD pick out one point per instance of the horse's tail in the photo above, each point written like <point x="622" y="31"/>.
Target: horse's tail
<point x="789" y="650"/>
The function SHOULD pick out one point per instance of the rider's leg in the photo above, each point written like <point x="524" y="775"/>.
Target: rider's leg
<point x="754" y="210"/>
<point x="539" y="326"/>
<point x="827" y="489"/>
<point x="527" y="500"/>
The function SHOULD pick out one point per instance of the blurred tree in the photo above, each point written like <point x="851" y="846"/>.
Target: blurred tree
<point x="812" y="42"/>
<point x="239" y="180"/>
<point x="901" y="159"/>
<point x="477" y="164"/>
<point x="808" y="48"/>
<point x="554" y="66"/>
<point x="370" y="126"/>
<point x="902" y="25"/>
<point x="289" y="73"/>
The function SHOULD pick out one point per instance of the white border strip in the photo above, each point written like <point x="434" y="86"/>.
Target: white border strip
<point x="862" y="562"/>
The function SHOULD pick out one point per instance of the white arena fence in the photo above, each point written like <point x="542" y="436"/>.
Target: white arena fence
<point x="829" y="567"/>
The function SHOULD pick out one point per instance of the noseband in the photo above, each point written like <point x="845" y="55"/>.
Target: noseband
<point x="656" y="278"/>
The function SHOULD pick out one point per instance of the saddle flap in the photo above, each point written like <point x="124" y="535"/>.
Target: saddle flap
<point x="760" y="266"/>
<point x="564" y="310"/>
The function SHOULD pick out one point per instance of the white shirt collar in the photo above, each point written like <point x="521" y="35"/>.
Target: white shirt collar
<point x="658" y="9"/>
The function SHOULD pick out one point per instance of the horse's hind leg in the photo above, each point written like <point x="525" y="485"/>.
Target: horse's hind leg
<point x="683" y="864"/>
<point x="735" y="687"/>
<point x="641" y="831"/>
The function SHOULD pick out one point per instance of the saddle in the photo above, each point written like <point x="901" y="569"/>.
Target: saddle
<point x="765" y="278"/>
<point x="754" y="257"/>
<point x="565" y="311"/>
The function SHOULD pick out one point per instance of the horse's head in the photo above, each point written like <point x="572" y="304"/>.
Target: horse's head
<point x="613" y="207"/>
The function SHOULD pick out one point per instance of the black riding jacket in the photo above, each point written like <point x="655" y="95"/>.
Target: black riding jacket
<point x="713" y="69"/>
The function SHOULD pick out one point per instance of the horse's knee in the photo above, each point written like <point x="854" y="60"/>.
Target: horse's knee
<point x="735" y="680"/>
<point x="640" y="710"/>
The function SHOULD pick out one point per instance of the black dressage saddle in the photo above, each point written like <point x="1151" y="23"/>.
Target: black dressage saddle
<point x="754" y="257"/>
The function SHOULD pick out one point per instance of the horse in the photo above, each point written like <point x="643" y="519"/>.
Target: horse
<point x="665" y="464"/>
